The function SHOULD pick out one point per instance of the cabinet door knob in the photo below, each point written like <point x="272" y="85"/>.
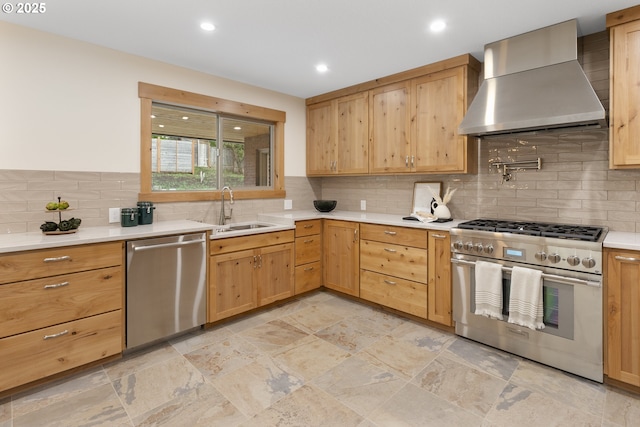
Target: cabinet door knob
<point x="390" y="250"/>
<point x="390" y="233"/>
<point x="389" y="282"/>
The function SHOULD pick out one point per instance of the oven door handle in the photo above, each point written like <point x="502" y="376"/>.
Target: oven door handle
<point x="554" y="277"/>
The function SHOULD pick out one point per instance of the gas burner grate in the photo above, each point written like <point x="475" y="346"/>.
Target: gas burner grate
<point x="559" y="231"/>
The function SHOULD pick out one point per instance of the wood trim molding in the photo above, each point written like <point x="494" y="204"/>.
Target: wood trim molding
<point x="623" y="16"/>
<point x="149" y="93"/>
<point x="457" y="61"/>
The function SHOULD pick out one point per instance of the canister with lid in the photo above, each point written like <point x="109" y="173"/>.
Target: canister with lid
<point x="145" y="212"/>
<point x="128" y="217"/>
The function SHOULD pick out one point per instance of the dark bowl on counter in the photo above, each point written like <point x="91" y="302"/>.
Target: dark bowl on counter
<point x="325" y="205"/>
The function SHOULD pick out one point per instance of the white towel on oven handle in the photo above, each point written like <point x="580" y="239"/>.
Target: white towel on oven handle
<point x="525" y="298"/>
<point x="488" y="294"/>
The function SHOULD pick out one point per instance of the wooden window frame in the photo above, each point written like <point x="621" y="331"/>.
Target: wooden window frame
<point x="149" y="93"/>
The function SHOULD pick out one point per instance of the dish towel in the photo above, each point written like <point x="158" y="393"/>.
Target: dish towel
<point x="488" y="290"/>
<point x="525" y="298"/>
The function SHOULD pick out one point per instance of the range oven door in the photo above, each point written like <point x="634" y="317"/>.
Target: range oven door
<point x="572" y="337"/>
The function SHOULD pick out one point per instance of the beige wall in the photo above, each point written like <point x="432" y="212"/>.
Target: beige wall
<point x="72" y="106"/>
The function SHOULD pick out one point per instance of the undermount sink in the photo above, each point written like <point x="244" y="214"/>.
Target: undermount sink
<point x="239" y="227"/>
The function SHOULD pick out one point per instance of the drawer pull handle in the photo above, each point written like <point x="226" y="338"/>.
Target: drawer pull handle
<point x="309" y="241"/>
<point x="624" y="258"/>
<point x="390" y="250"/>
<point x="439" y="236"/>
<point x="308" y="226"/>
<point x="308" y="269"/>
<point x="58" y="259"/>
<point x="59" y="334"/>
<point x="390" y="233"/>
<point x="389" y="282"/>
<point x="56" y="285"/>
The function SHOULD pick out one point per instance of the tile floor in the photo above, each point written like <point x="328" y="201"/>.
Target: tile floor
<point x="327" y="361"/>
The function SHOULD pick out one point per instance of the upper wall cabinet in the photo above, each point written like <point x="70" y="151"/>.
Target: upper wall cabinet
<point x="412" y="120"/>
<point x="390" y="146"/>
<point x="624" y="138"/>
<point x="440" y="102"/>
<point x="338" y="136"/>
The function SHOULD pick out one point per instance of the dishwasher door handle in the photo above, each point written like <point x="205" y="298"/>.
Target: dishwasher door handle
<point x="167" y="245"/>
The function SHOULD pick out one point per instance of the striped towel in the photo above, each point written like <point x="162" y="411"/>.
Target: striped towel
<point x="488" y="290"/>
<point x="525" y="299"/>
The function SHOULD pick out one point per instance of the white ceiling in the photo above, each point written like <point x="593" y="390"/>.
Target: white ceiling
<point x="276" y="44"/>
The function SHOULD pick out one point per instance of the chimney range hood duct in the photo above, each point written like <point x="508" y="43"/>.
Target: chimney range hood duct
<point x="534" y="82"/>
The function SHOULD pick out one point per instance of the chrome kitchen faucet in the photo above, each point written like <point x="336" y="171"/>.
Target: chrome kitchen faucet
<point x="223" y="216"/>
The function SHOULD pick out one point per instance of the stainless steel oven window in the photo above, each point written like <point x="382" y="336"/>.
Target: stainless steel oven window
<point x="558" y="299"/>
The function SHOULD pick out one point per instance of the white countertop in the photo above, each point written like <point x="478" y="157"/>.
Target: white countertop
<point x="622" y="240"/>
<point x="14" y="242"/>
<point x="369" y="217"/>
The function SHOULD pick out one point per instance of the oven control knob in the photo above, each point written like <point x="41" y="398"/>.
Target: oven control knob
<point x="573" y="260"/>
<point x="478" y="247"/>
<point x="457" y="245"/>
<point x="541" y="256"/>
<point x="554" y="258"/>
<point x="489" y="249"/>
<point x="468" y="246"/>
<point x="589" y="262"/>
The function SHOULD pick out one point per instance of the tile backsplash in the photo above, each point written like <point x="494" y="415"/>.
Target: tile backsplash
<point x="574" y="185"/>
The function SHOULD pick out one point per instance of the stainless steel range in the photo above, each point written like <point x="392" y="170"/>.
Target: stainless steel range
<point x="570" y="259"/>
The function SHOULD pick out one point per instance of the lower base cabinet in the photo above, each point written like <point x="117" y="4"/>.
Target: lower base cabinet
<point x="439" y="278"/>
<point x="38" y="354"/>
<point x="249" y="272"/>
<point x="341" y="256"/>
<point x="399" y="294"/>
<point x="622" y="316"/>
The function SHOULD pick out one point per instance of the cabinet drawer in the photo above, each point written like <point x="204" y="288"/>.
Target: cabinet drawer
<point x="307" y="249"/>
<point x="394" y="260"/>
<point x="309" y="227"/>
<point x="252" y="241"/>
<point x="404" y="295"/>
<point x="51" y="262"/>
<point x="33" y="355"/>
<point x="308" y="276"/>
<point x="390" y="234"/>
<point x="34" y="304"/>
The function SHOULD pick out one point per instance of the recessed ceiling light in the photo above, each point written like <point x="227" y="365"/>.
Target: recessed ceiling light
<point x="185" y="118"/>
<point x="207" y="26"/>
<point x="322" y="68"/>
<point x="437" y="26"/>
<point x="153" y="116"/>
<point x="237" y="128"/>
<point x="161" y="126"/>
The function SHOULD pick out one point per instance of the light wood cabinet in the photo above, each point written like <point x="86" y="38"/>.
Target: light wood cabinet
<point x="439" y="275"/>
<point x="341" y="256"/>
<point x="393" y="267"/>
<point x="338" y="136"/>
<point x="440" y="103"/>
<point x="249" y="271"/>
<point x="391" y="148"/>
<point x="59" y="309"/>
<point x="413" y="120"/>
<point x="308" y="248"/>
<point x="622" y="316"/>
<point x="321" y="141"/>
<point x="624" y="111"/>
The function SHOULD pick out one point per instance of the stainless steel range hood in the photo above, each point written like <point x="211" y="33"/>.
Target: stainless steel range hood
<point x="534" y="82"/>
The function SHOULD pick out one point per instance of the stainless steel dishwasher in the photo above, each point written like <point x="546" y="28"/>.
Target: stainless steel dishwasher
<point x="166" y="287"/>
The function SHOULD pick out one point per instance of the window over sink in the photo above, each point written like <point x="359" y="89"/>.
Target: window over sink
<point x="193" y="145"/>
